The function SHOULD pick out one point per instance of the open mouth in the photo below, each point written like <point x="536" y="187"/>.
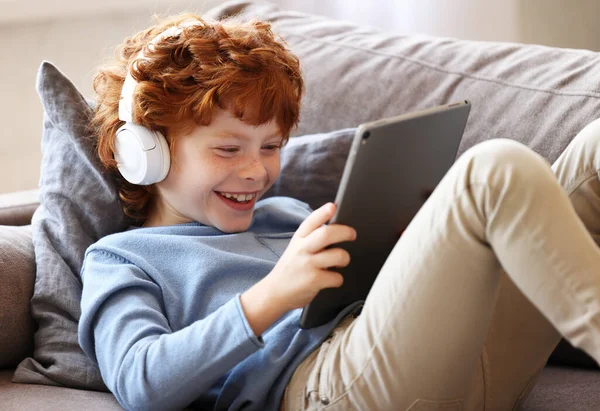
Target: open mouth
<point x="240" y="198"/>
<point x="241" y="202"/>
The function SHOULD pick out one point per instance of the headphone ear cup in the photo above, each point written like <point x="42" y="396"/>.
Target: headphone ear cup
<point x="142" y="155"/>
<point x="165" y="156"/>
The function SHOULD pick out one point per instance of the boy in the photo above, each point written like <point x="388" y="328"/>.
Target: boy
<point x="229" y="102"/>
<point x="200" y="305"/>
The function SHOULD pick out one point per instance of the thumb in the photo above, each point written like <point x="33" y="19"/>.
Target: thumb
<point x="316" y="219"/>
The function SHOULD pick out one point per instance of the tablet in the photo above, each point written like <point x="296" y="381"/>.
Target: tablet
<point x="393" y="166"/>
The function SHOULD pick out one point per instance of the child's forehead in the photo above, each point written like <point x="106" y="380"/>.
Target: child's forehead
<point x="225" y="124"/>
<point x="243" y="135"/>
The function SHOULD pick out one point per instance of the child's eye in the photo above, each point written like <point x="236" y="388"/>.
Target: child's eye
<point x="272" y="147"/>
<point x="229" y="150"/>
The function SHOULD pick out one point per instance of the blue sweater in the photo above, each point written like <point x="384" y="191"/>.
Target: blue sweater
<point x="161" y="314"/>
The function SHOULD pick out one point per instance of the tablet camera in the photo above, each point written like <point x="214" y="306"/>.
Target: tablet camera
<point x="365" y="137"/>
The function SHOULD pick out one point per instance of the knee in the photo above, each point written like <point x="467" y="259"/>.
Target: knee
<point x="584" y="147"/>
<point x="590" y="136"/>
<point x="501" y="152"/>
<point x="581" y="159"/>
<point x="502" y="158"/>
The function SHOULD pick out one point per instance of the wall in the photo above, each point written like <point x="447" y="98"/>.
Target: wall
<point x="76" y="39"/>
<point x="559" y="23"/>
<point x="76" y="45"/>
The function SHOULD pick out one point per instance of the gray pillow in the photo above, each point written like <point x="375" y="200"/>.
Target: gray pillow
<point x="78" y="205"/>
<point x="312" y="167"/>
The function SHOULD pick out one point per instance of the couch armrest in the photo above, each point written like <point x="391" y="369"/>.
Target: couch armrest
<point x="17" y="277"/>
<point x="17" y="208"/>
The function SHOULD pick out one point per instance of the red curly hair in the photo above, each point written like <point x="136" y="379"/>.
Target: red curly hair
<point x="233" y="65"/>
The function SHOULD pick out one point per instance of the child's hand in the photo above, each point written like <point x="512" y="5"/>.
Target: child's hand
<point x="302" y="271"/>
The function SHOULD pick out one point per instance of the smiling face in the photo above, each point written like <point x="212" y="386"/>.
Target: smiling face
<point x="210" y="167"/>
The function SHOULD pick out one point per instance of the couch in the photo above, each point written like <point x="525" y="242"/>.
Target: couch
<point x="538" y="95"/>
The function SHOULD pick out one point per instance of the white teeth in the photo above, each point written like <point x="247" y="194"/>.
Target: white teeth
<point x="239" y="197"/>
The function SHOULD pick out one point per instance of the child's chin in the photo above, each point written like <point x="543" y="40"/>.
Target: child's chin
<point x="232" y="228"/>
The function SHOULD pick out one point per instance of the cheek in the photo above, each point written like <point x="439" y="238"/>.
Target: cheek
<point x="192" y="172"/>
<point x="274" y="167"/>
<point x="212" y="165"/>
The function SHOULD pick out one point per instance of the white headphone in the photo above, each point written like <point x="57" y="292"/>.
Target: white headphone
<point x="142" y="154"/>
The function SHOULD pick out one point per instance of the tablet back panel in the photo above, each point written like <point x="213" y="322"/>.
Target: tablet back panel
<point x="393" y="166"/>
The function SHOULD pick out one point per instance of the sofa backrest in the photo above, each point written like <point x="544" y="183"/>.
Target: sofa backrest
<point x="538" y="95"/>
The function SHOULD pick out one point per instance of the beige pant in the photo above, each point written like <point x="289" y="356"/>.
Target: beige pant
<point x="444" y="326"/>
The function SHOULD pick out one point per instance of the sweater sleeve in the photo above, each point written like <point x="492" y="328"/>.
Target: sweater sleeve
<point x="144" y="363"/>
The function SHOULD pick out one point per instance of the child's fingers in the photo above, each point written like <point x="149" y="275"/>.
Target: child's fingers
<point x="316" y="219"/>
<point x="325" y="236"/>
<point x="333" y="257"/>
<point x="331" y="279"/>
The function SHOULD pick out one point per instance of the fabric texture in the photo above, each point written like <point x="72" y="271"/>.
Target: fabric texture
<point x="540" y="96"/>
<point x="17" y="275"/>
<point x="17" y="397"/>
<point x="560" y="389"/>
<point x="17" y="208"/>
<point x="78" y="205"/>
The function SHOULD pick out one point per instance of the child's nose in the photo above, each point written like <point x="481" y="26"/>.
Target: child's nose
<point x="254" y="170"/>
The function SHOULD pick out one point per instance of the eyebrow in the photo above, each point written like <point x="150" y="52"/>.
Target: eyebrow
<point x="239" y="136"/>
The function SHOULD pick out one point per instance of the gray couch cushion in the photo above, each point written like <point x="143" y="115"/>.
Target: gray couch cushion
<point x="558" y="389"/>
<point x="537" y="95"/>
<point x="561" y="389"/>
<point x="25" y="397"/>
<point x="17" y="208"/>
<point x="17" y="275"/>
<point x="78" y="205"/>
